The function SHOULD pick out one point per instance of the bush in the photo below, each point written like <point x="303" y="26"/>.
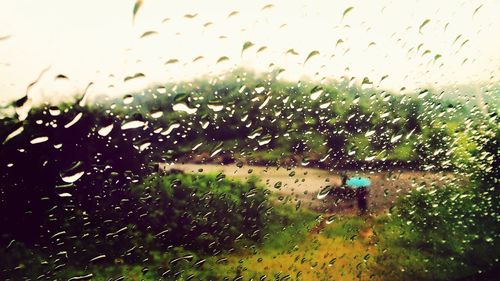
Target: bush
<point x="438" y="235"/>
<point x="204" y="212"/>
<point x="451" y="232"/>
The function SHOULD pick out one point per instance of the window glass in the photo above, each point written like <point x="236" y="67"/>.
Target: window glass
<point x="249" y="140"/>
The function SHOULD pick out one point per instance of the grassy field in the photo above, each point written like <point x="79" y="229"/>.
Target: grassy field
<point x="336" y="252"/>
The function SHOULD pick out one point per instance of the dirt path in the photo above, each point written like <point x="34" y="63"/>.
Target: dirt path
<point x="302" y="185"/>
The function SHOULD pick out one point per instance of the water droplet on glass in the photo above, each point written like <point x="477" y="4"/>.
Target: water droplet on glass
<point x="74" y="121"/>
<point x="184" y="108"/>
<point x="15" y="133"/>
<point x="157" y="114"/>
<point x="316" y="93"/>
<point x="133" y="77"/>
<point x="39" y="140"/>
<point x="222" y="59"/>
<point x="170" y="128"/>
<point x="148" y="33"/>
<point x="72" y="176"/>
<point x="104" y="131"/>
<point x="423" y="24"/>
<point x="346" y="11"/>
<point x="311" y="54"/>
<point x="54" y="111"/>
<point x="133" y="125"/>
<point x="128" y="99"/>
<point x="323" y="192"/>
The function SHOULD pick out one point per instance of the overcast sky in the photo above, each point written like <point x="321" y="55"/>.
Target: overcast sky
<point x="412" y="43"/>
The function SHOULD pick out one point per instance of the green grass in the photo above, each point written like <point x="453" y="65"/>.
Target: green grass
<point x="288" y="227"/>
<point x="345" y="227"/>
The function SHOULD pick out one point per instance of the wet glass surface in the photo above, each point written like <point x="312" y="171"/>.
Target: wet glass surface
<point x="249" y="140"/>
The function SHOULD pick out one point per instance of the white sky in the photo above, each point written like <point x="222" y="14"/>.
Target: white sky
<point x="96" y="41"/>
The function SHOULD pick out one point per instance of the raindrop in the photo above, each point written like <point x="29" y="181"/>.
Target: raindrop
<point x="128" y="99"/>
<point x="144" y="146"/>
<point x="74" y="121"/>
<point x="97" y="258"/>
<point x="183" y="107"/>
<point x="232" y="14"/>
<point x="396" y="138"/>
<point x="171" y="128"/>
<point x="35" y="82"/>
<point x="4" y="37"/>
<point x="61" y="76"/>
<point x="221" y="59"/>
<point x="268" y="6"/>
<point x="264" y="140"/>
<point x="266" y="101"/>
<point x="148" y="33"/>
<point x="39" y="140"/>
<point x="324" y="192"/>
<point x="161" y="90"/>
<point x="196" y="146"/>
<point x="54" y="111"/>
<point x="104" y="131"/>
<point x="292" y="51"/>
<point x="456" y="39"/>
<point x="259" y="90"/>
<point x="261" y="49"/>
<point x="135" y="76"/>
<point x="133" y="125"/>
<point x="15" y="133"/>
<point x="246" y="45"/>
<point x="20" y="102"/>
<point x="369" y="158"/>
<point x="83" y="99"/>
<point x="71" y="176"/>
<point x="190" y="16"/>
<point x="215" y="106"/>
<point x="82" y="277"/>
<point x="346" y="11"/>
<point x="331" y="219"/>
<point x="172" y="61"/>
<point x="424" y="23"/>
<point x="423" y="94"/>
<point x="476" y="10"/>
<point x="465" y="42"/>
<point x="157" y="114"/>
<point x="220" y="177"/>
<point x="198" y="58"/>
<point x="311" y="54"/>
<point x="137" y="6"/>
<point x="316" y="92"/>
<point x="65" y="195"/>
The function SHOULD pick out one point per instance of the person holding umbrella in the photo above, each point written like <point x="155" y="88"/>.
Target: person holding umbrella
<point x="360" y="186"/>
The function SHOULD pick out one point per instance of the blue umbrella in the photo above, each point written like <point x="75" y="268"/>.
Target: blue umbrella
<point x="358" y="182"/>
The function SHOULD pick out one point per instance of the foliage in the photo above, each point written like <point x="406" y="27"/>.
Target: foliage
<point x="203" y="212"/>
<point x="354" y="127"/>
<point x="449" y="232"/>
